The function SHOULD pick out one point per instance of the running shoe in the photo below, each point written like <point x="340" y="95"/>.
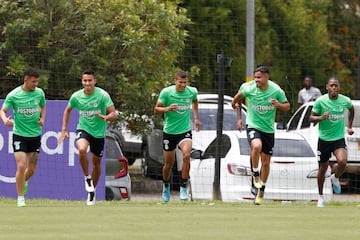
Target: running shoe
<point x="259" y="199"/>
<point x="320" y="203"/>
<point x="166" y="193"/>
<point x="26" y="186"/>
<point x="256" y="180"/>
<point x="183" y="194"/>
<point x="91" y="199"/>
<point x="21" y="203"/>
<point x="89" y="186"/>
<point x="335" y="184"/>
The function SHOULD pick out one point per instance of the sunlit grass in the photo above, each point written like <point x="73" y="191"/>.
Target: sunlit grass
<point x="51" y="219"/>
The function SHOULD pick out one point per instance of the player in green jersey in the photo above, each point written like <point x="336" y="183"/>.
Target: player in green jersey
<point x="264" y="97"/>
<point x="329" y="111"/>
<point x="175" y="103"/>
<point x="28" y="104"/>
<point x="95" y="108"/>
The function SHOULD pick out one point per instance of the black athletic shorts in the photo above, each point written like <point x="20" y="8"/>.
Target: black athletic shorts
<point x="267" y="139"/>
<point x="96" y="144"/>
<point x="325" y="148"/>
<point x="171" y="140"/>
<point x="26" y="144"/>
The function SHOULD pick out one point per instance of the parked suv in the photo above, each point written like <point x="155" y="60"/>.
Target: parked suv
<point x="131" y="144"/>
<point x="300" y="122"/>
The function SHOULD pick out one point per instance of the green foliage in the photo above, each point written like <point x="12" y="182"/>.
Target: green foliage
<point x="132" y="46"/>
<point x="136" y="46"/>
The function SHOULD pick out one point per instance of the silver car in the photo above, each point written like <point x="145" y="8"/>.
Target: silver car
<point x="117" y="181"/>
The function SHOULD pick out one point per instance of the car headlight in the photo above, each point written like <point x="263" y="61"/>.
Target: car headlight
<point x="238" y="169"/>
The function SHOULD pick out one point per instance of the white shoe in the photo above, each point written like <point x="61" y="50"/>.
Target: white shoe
<point x="91" y="199"/>
<point x="321" y="203"/>
<point x="89" y="186"/>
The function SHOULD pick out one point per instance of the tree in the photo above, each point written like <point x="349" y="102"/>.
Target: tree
<point x="132" y="46"/>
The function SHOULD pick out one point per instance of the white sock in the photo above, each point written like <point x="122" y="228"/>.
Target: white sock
<point x="255" y="169"/>
<point x="21" y="198"/>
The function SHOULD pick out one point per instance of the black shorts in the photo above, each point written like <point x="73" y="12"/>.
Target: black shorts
<point x="96" y="144"/>
<point x="171" y="140"/>
<point x="325" y="148"/>
<point x="267" y="139"/>
<point x="26" y="144"/>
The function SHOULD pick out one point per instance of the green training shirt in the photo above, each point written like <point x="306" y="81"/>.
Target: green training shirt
<point x="260" y="112"/>
<point x="26" y="107"/>
<point x="89" y="106"/>
<point x="177" y="122"/>
<point x="332" y="128"/>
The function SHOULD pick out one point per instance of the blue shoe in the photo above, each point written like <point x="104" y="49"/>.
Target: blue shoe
<point x="26" y="186"/>
<point x="166" y="193"/>
<point x="335" y="184"/>
<point x="183" y="194"/>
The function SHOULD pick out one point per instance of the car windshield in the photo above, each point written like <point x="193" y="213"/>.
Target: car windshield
<point x="283" y="148"/>
<point x="208" y="119"/>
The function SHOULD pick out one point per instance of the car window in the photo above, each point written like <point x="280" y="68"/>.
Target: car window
<point x="208" y="119"/>
<point x="112" y="148"/>
<point x="210" y="151"/>
<point x="283" y="148"/>
<point x="306" y="120"/>
<point x="295" y="120"/>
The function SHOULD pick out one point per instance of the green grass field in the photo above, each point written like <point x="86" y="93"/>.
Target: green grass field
<point x="50" y="219"/>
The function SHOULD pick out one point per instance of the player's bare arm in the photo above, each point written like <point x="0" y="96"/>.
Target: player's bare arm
<point x="66" y="117"/>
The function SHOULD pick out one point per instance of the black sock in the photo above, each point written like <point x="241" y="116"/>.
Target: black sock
<point x="166" y="183"/>
<point x="183" y="182"/>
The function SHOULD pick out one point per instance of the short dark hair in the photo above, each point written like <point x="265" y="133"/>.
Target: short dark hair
<point x="181" y="74"/>
<point x="30" y="72"/>
<point x="333" y="78"/>
<point x="262" y="68"/>
<point x="88" y="72"/>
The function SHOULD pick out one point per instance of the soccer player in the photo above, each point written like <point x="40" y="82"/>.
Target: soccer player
<point x="329" y="112"/>
<point x="95" y="108"/>
<point x="28" y="103"/>
<point x="175" y="102"/>
<point x="264" y="98"/>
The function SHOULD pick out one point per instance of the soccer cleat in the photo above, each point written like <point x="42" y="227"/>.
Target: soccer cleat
<point x="89" y="186"/>
<point x="335" y="184"/>
<point x="21" y="203"/>
<point x="166" y="193"/>
<point x="259" y="199"/>
<point x="26" y="186"/>
<point x="320" y="203"/>
<point x="256" y="180"/>
<point x="91" y="199"/>
<point x="183" y="194"/>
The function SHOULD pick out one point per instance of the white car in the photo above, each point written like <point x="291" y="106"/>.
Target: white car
<point x="300" y="123"/>
<point x="293" y="170"/>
